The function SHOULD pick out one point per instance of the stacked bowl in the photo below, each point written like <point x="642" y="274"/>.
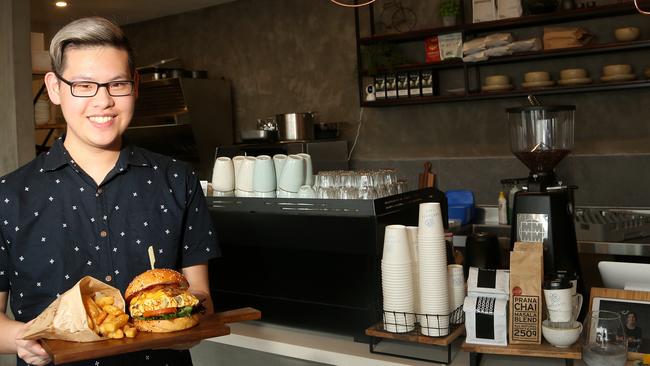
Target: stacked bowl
<point x="397" y="281"/>
<point x="432" y="266"/>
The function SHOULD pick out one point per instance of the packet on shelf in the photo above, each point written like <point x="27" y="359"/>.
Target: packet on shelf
<point x="486" y="320"/>
<point x="565" y="37"/>
<point x="451" y="45"/>
<point x="432" y="49"/>
<point x="473" y="46"/>
<point x="488" y="282"/>
<point x="527" y="45"/>
<point x="526" y="275"/>
<point x="498" y="40"/>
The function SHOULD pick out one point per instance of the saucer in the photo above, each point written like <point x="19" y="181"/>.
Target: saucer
<point x="576" y="81"/>
<point x="620" y="77"/>
<point x="496" y="87"/>
<point x="537" y="84"/>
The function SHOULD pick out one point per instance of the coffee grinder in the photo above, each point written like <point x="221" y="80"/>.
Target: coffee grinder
<point x="541" y="136"/>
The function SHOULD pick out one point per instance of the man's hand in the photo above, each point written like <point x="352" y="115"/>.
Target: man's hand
<point x="30" y="351"/>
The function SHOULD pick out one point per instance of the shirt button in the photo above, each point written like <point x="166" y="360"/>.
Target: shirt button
<point x="100" y="190"/>
<point x="108" y="278"/>
<point x="103" y="233"/>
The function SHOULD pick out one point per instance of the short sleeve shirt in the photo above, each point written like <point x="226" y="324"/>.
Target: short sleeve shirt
<point x="57" y="225"/>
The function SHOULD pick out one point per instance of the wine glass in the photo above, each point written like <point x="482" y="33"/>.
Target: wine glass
<point x="603" y="341"/>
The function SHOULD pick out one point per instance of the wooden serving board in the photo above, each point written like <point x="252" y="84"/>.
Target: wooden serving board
<point x="213" y="325"/>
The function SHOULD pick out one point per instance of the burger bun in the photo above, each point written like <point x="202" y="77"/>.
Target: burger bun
<point x="155" y="277"/>
<point x="167" y="325"/>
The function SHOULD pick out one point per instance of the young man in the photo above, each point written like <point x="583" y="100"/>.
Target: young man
<point x="93" y="204"/>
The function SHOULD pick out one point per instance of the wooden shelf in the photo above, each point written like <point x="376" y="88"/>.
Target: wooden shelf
<point x="378" y="331"/>
<point x="545" y="350"/>
<point x="525" y="56"/>
<point x="520" y="22"/>
<point x="519" y="92"/>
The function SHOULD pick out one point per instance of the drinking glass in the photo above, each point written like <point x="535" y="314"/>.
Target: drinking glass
<point x="378" y="182"/>
<point x="603" y="341"/>
<point x="366" y="188"/>
<point x="348" y="189"/>
<point x="327" y="182"/>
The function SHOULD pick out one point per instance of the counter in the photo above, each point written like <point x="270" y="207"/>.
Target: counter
<point x="331" y="349"/>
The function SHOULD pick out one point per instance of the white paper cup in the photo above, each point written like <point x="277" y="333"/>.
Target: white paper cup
<point x="560" y="305"/>
<point x="309" y="170"/>
<point x="223" y="175"/>
<point x="293" y="174"/>
<point x="396" y="247"/>
<point x="264" y="175"/>
<point x="430" y="221"/>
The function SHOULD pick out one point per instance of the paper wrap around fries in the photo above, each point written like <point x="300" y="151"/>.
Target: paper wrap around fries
<point x="65" y="318"/>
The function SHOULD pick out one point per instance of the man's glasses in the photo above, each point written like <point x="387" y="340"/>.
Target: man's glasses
<point x="87" y="89"/>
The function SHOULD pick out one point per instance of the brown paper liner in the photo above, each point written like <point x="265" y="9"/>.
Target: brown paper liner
<point x="65" y="318"/>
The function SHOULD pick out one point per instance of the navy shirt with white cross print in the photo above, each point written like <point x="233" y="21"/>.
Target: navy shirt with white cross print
<point x="57" y="225"/>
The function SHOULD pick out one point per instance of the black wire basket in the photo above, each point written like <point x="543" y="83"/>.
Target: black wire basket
<point x="431" y="325"/>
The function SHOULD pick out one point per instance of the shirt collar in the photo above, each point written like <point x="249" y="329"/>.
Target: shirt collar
<point x="58" y="156"/>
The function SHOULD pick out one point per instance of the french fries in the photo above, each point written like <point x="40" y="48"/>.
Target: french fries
<point x="106" y="319"/>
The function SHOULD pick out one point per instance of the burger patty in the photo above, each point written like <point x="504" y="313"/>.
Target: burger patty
<point x="160" y="297"/>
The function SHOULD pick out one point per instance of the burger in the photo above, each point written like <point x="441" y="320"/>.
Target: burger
<point x="159" y="302"/>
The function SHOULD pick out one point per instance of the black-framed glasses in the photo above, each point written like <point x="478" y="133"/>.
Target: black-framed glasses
<point x="87" y="89"/>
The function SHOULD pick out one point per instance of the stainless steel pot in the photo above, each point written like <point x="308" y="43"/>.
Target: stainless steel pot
<point x="296" y="126"/>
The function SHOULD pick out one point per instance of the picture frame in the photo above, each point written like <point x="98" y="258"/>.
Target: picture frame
<point x="628" y="303"/>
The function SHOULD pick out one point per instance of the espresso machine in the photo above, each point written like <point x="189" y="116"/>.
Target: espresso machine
<point x="541" y="136"/>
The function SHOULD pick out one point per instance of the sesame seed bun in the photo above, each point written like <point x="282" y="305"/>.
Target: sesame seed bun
<point x="155" y="277"/>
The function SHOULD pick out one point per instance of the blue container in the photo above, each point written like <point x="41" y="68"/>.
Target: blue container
<point x="460" y="205"/>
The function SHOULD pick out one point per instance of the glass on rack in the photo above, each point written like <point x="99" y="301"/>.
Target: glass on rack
<point x="360" y="184"/>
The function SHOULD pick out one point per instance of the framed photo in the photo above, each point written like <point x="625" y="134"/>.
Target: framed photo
<point x="634" y="308"/>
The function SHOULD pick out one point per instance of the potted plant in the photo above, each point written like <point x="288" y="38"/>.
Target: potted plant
<point x="449" y="10"/>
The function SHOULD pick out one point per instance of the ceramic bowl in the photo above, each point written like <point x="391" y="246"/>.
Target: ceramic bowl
<point x="497" y="80"/>
<point x="619" y="69"/>
<point x="626" y="34"/>
<point x="570" y="74"/>
<point x="537" y="76"/>
<point x="561" y="337"/>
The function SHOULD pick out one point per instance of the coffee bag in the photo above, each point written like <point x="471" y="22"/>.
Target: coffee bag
<point x="526" y="276"/>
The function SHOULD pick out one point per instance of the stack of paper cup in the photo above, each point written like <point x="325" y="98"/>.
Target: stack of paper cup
<point x="412" y="234"/>
<point x="397" y="281"/>
<point x="432" y="258"/>
<point x="456" y="284"/>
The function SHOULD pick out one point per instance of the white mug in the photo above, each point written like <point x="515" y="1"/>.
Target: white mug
<point x="244" y="175"/>
<point x="223" y="175"/>
<point x="309" y="170"/>
<point x="278" y="162"/>
<point x="293" y="174"/>
<point x="264" y="175"/>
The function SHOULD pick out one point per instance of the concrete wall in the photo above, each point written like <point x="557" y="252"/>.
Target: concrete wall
<point x="16" y="111"/>
<point x="296" y="55"/>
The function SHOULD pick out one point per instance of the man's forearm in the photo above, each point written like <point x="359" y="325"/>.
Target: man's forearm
<point x="9" y="329"/>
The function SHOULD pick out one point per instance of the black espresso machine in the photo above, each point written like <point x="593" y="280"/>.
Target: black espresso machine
<point x="541" y="136"/>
